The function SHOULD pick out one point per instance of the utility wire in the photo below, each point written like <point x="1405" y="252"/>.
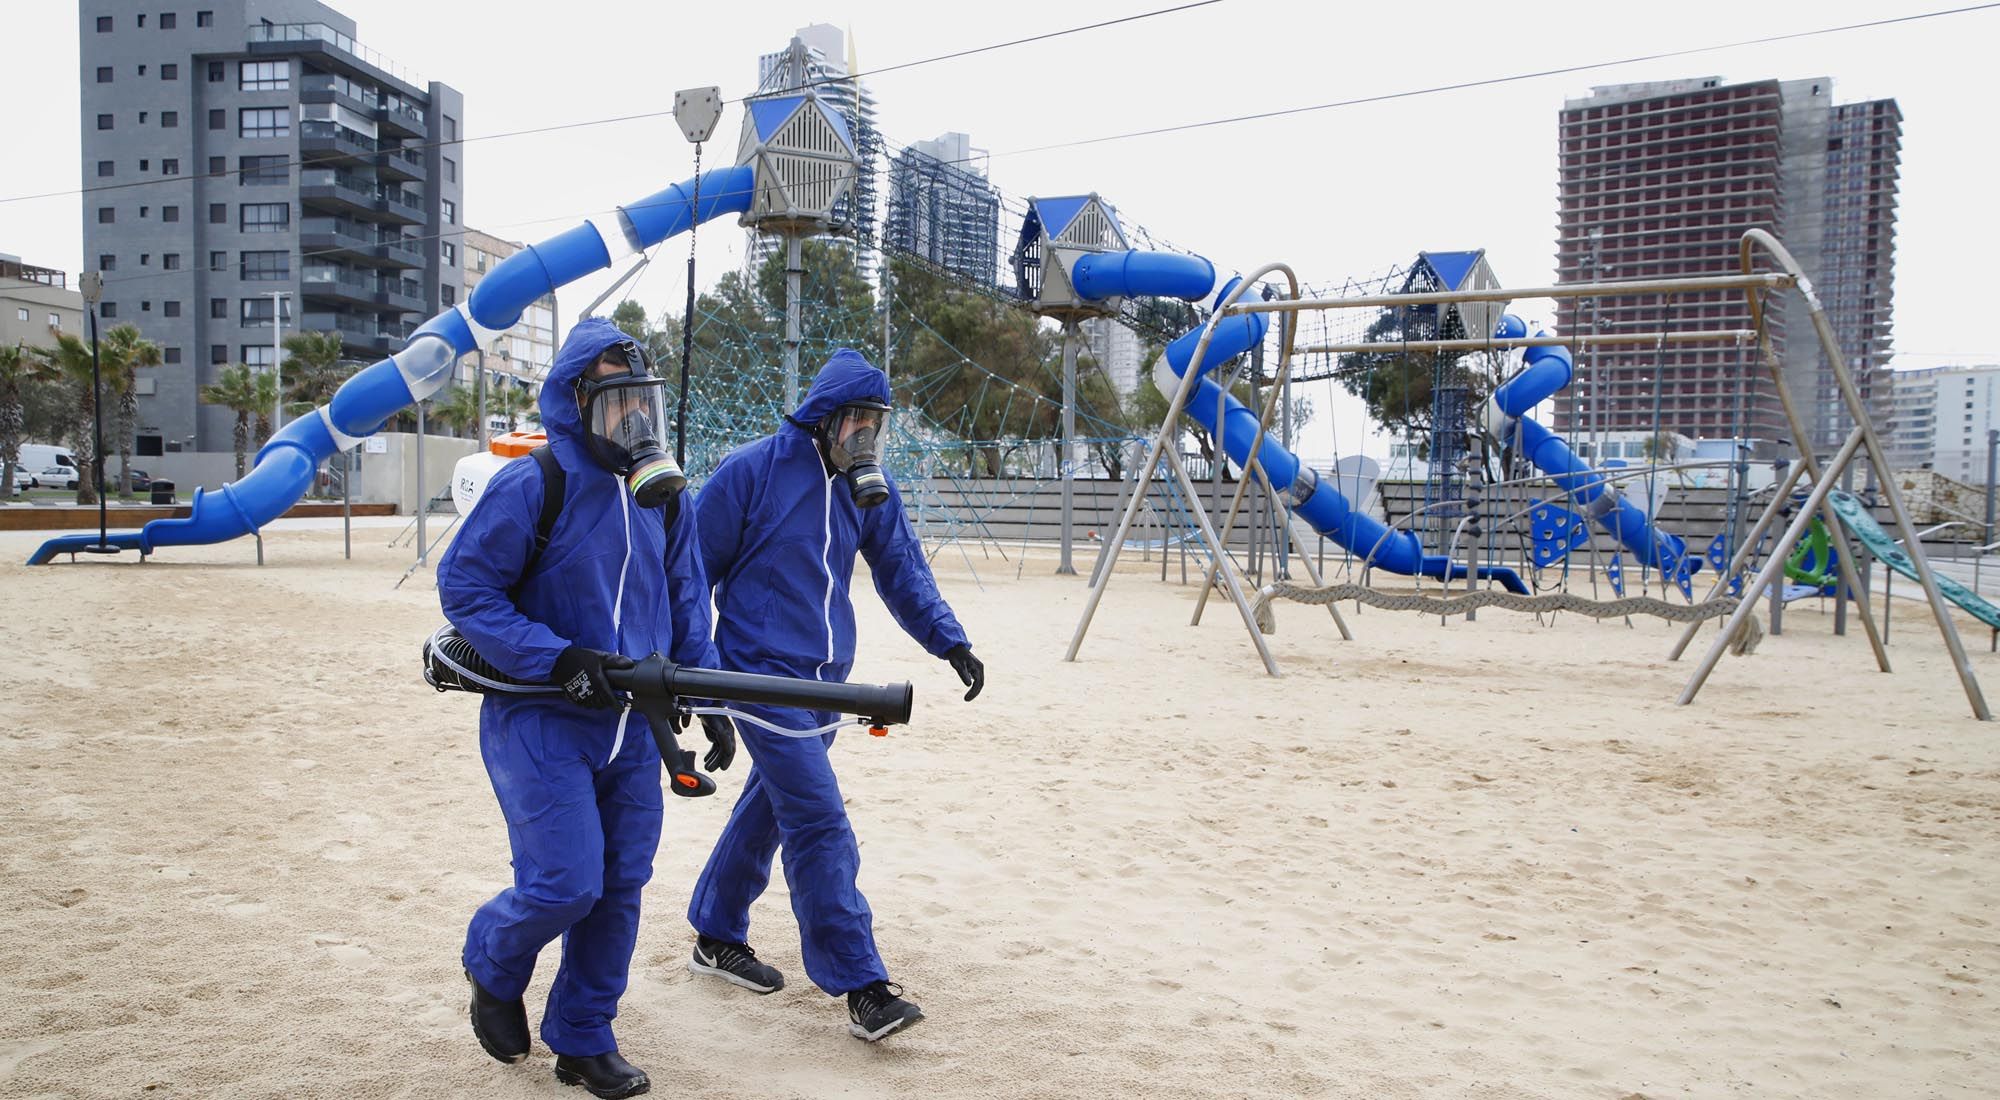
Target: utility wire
<point x="305" y="162"/>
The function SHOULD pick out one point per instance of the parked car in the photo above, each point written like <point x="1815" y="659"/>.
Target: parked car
<point x="58" y="477"/>
<point x="23" y="480"/>
<point x="141" y="481"/>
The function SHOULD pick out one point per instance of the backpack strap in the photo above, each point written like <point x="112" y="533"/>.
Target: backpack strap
<point x="553" y="484"/>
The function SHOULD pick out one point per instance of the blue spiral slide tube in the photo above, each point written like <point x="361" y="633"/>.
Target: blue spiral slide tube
<point x="286" y="465"/>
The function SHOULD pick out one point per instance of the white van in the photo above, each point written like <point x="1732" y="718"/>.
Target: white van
<point x="38" y="457"/>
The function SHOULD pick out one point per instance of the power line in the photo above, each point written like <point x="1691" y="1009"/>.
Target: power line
<point x="305" y="162"/>
<point x="1491" y="81"/>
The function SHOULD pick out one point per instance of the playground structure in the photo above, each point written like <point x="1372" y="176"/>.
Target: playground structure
<point x="1557" y="530"/>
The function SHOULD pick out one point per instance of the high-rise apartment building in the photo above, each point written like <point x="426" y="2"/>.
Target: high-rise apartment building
<point x="943" y="210"/>
<point x="526" y="351"/>
<point x="248" y="162"/>
<point x="1940" y="417"/>
<point x="828" y="68"/>
<point x="1661" y="180"/>
<point x="1911" y="438"/>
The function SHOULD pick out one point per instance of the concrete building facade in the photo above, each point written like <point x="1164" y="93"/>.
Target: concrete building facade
<point x="36" y="304"/>
<point x="247" y="162"/>
<point x="1661" y="180"/>
<point x="1940" y="419"/>
<point x="943" y="209"/>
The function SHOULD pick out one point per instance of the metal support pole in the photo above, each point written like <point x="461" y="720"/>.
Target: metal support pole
<point x="479" y="394"/>
<point x="1067" y="460"/>
<point x="1992" y="482"/>
<point x="794" y="267"/>
<point x="423" y="500"/>
<point x="1744" y="551"/>
<point x="277" y="351"/>
<point x="347" y="507"/>
<point x="97" y="442"/>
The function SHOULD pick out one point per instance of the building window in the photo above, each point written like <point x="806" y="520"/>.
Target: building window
<point x="168" y="20"/>
<point x="170" y="166"/>
<point x="105" y="262"/>
<point x="169" y="119"/>
<point x="143" y="114"/>
<point x="218" y="165"/>
<point x="145" y="259"/>
<point x="108" y="311"/>
<point x="218" y="119"/>
<point x="263" y="170"/>
<point x="256" y="313"/>
<point x="264" y="267"/>
<point x="266" y="217"/>
<point x="449" y="295"/>
<point x="218" y="309"/>
<point x="21" y="313"/>
<point x="104" y="74"/>
<point x="107" y="215"/>
<point x="142" y="20"/>
<point x="450" y="128"/>
<point x="256" y="356"/>
<point x="171" y="356"/>
<point x="219" y="353"/>
<point x="450" y="170"/>
<point x="217" y="72"/>
<point x="55" y="321"/>
<point x="103" y="24"/>
<point x="104" y="168"/>
<point x="170" y="260"/>
<point x="450" y="212"/>
<point x="204" y="19"/>
<point x="263" y="122"/>
<point x="170" y="213"/>
<point x="170" y="72"/>
<point x="449" y="252"/>
<point x="217" y="261"/>
<point x="144" y="166"/>
<point x="144" y="211"/>
<point x="146" y="306"/>
<point x="104" y="122"/>
<point x="218" y="213"/>
<point x="263" y="76"/>
<point x="170" y="309"/>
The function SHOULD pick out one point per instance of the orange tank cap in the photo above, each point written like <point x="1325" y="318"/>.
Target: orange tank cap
<point x="516" y="444"/>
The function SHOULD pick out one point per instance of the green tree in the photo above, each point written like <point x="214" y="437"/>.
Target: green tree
<point x="515" y="403"/>
<point x="266" y="385"/>
<point x="459" y="409"/>
<point x="124" y="353"/>
<point x="236" y="389"/>
<point x="313" y="370"/>
<point x="70" y="359"/>
<point x="981" y="365"/>
<point x="19" y="370"/>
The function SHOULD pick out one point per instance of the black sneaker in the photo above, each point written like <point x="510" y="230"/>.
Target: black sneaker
<point x="877" y="1009"/>
<point x="734" y="963"/>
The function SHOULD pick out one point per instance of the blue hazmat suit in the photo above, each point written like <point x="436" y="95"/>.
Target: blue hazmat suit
<point x="779" y="532"/>
<point x="580" y="788"/>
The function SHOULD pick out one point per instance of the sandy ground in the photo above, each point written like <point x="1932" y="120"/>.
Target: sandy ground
<point x="1488" y="859"/>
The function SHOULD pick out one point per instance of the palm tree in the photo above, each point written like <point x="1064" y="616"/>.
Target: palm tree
<point x="515" y="403"/>
<point x="266" y="385"/>
<point x="313" y="370"/>
<point x="125" y="353"/>
<point x="237" y="389"/>
<point x="459" y="411"/>
<point x="17" y="368"/>
<point x="71" y="361"/>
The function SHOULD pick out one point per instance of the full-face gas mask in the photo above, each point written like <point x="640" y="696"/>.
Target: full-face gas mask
<point x="622" y="413"/>
<point x="852" y="438"/>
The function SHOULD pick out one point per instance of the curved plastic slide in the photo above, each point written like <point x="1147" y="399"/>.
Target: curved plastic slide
<point x="1548" y="370"/>
<point x="1100" y="275"/>
<point x="287" y="464"/>
<point x="1320" y="505"/>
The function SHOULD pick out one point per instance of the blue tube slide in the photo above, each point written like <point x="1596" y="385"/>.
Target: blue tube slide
<point x="286" y="465"/>
<point x="1320" y="505"/>
<point x="1548" y="370"/>
<point x="1099" y="275"/>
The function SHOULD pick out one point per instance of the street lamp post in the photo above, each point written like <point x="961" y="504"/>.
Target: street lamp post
<point x="277" y="350"/>
<point x="92" y="286"/>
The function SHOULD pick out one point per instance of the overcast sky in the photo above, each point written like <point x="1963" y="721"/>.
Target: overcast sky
<point x="1348" y="191"/>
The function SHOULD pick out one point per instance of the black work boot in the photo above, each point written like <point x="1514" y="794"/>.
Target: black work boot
<point x="500" y="1025"/>
<point x="734" y="963"/>
<point x="877" y="1009"/>
<point x="605" y="1075"/>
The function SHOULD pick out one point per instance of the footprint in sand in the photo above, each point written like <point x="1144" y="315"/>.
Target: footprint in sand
<point x="340" y="851"/>
<point x="341" y="951"/>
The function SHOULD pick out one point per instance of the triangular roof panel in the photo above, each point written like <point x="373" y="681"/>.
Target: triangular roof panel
<point x="1453" y="267"/>
<point x="1057" y="213"/>
<point x="839" y="122"/>
<point x="769" y="114"/>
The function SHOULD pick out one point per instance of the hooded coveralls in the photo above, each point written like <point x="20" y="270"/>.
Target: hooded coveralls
<point x="779" y="533"/>
<point x="580" y="788"/>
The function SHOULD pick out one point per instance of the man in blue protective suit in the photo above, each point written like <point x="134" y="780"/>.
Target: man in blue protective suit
<point x="780" y="522"/>
<point x="577" y="775"/>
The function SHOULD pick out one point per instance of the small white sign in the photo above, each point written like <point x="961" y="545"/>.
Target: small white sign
<point x="375" y="445"/>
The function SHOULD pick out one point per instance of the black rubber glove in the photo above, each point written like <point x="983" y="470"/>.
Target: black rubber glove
<point x="580" y="674"/>
<point x="721" y="742"/>
<point x="971" y="670"/>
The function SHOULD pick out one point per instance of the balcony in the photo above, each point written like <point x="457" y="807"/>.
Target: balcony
<point x="353" y="194"/>
<point x="356" y="242"/>
<point x="327" y="281"/>
<point x="320" y="37"/>
<point x="406" y="119"/>
<point x="398" y="163"/>
<point x="400" y="295"/>
<point x="360" y="331"/>
<point x="321" y="141"/>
